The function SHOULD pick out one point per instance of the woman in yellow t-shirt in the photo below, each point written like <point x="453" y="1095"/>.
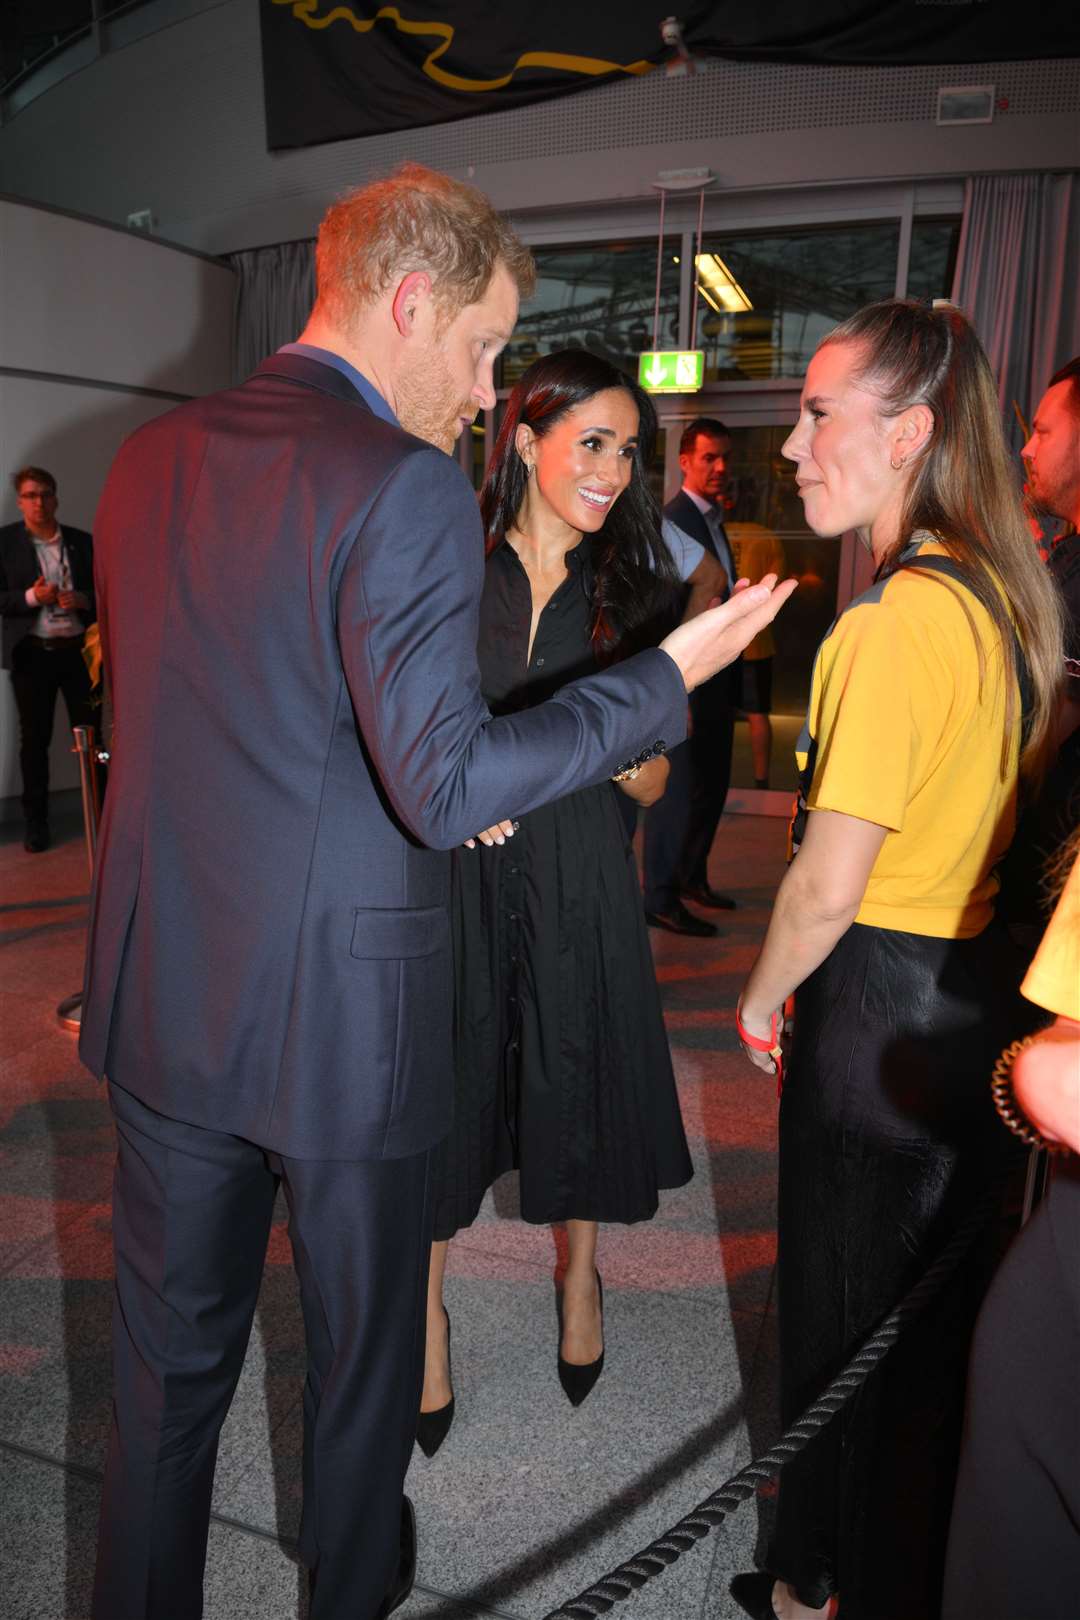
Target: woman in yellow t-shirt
<point x="931" y="699"/>
<point x="1014" y="1546"/>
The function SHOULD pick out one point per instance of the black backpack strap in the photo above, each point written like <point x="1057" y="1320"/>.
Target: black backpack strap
<point x="933" y="563"/>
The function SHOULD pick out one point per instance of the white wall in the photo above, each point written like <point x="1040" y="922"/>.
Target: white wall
<point x="99" y="331"/>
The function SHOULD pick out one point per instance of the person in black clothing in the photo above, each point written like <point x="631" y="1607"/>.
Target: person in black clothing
<point x="562" y="1067"/>
<point x="680" y="831"/>
<point x="46" y="603"/>
<point x="1052" y="461"/>
<point x="1014" y="1541"/>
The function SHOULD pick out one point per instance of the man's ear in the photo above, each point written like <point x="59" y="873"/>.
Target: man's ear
<point x="413" y="291"/>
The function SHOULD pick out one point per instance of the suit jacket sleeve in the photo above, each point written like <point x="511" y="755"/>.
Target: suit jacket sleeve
<point x="407" y="628"/>
<point x="18" y="571"/>
<point x="13" y="583"/>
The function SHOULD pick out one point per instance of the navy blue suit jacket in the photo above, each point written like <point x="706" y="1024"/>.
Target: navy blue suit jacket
<point x="288" y="591"/>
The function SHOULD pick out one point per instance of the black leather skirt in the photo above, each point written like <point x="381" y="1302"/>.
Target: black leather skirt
<point x="887" y="1136"/>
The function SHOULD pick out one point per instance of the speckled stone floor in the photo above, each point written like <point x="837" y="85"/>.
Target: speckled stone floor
<point x="529" y="1501"/>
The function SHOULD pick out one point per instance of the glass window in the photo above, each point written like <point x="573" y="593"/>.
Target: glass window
<point x="473" y="457"/>
<point x="601" y="298"/>
<point x="933" y="257"/>
<point x="766" y="300"/>
<point x="766" y="528"/>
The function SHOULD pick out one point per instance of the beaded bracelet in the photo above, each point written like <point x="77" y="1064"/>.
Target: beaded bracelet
<point x="1005" y="1102"/>
<point x="627" y="772"/>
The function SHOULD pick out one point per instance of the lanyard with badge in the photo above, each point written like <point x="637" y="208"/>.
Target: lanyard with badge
<point x="54" y="613"/>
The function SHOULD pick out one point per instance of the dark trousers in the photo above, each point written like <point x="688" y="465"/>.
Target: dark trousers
<point x="888" y="1138"/>
<point x="680" y="829"/>
<point x="38" y="673"/>
<point x="1014" y="1545"/>
<point x="192" y="1210"/>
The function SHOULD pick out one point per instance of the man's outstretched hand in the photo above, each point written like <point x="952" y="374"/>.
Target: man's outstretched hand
<point x="704" y="645"/>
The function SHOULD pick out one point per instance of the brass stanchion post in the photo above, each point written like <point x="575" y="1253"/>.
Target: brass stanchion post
<point x="69" y="1012"/>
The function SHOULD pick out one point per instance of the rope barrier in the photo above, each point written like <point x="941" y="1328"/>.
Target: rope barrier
<point x="659" y="1555"/>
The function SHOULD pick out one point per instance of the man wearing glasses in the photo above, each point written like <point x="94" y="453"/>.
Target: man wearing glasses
<point x="46" y="603"/>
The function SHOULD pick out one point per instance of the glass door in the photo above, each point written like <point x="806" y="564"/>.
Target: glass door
<point x="767" y="532"/>
<point x="765" y="525"/>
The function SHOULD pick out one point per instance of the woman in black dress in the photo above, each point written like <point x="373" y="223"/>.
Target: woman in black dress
<point x="562" y="1067"/>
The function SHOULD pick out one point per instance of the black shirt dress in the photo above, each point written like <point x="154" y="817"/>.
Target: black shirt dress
<point x="561" y="1060"/>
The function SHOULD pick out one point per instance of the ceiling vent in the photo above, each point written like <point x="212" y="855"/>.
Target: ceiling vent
<point x="965" y="104"/>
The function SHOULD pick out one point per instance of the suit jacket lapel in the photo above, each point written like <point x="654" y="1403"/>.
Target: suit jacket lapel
<point x="682" y="511"/>
<point x="29" y="556"/>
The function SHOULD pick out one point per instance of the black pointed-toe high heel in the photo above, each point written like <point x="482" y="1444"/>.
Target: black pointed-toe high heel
<point x="577" y="1380"/>
<point x="753" y="1594"/>
<point x="432" y="1428"/>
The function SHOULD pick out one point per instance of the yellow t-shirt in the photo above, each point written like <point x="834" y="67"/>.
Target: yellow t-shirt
<point x="1053" y="979"/>
<point x="909" y="734"/>
<point x="756" y="551"/>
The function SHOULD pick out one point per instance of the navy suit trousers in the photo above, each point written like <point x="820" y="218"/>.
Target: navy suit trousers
<point x="680" y="828"/>
<point x="192" y="1215"/>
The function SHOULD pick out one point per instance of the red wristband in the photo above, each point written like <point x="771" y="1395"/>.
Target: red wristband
<point x="760" y="1044"/>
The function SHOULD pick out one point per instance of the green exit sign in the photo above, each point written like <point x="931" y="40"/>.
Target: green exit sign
<point x="672" y="371"/>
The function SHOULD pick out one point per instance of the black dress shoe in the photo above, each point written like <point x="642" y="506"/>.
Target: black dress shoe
<point x="432" y="1428"/>
<point x="702" y="895"/>
<point x="405" y="1578"/>
<point x="677" y="920"/>
<point x="37" y="837"/>
<point x="577" y="1379"/>
<point x="753" y="1594"/>
<point x="406" y="1573"/>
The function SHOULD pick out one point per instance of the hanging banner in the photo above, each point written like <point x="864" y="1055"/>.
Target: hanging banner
<point x="335" y="69"/>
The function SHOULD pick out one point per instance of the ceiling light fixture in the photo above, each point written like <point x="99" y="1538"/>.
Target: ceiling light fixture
<point x="718" y="286"/>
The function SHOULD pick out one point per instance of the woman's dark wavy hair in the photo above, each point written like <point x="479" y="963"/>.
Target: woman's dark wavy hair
<point x="635" y="580"/>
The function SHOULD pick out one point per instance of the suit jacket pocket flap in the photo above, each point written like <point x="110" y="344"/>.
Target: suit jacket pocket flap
<point x="392" y="933"/>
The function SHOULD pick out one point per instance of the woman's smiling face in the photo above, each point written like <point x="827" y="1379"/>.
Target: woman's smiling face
<point x="586" y="459"/>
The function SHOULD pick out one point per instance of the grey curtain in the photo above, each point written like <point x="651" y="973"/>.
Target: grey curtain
<point x="1017" y="275"/>
<point x="275" y="289"/>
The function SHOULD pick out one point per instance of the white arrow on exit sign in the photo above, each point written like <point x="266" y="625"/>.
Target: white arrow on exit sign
<point x="671" y="371"/>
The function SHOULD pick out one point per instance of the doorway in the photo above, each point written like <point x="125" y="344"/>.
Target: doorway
<point x="766" y="528"/>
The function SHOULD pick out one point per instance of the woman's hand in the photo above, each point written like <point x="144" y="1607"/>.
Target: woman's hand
<point x="498" y="834"/>
<point x="716" y="637"/>
<point x="649" y="783"/>
<point x="762" y="1026"/>
<point x="1046" y="1083"/>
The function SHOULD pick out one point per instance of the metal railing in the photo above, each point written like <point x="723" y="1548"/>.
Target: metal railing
<point x="43" y="55"/>
<point x="69" y="1012"/>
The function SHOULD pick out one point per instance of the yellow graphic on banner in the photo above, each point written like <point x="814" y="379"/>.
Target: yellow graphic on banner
<point x="307" y="12"/>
